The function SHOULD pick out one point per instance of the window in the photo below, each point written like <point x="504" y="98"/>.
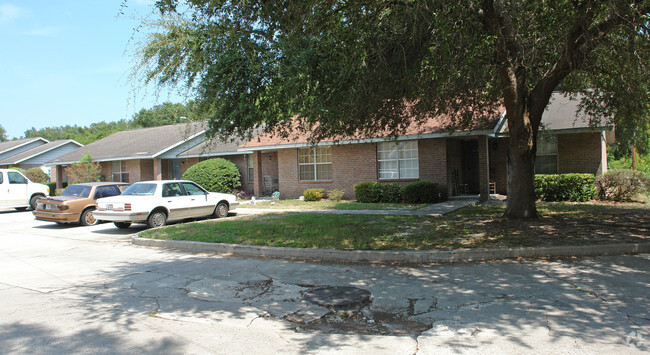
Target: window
<point x="1" y="178"/>
<point x="315" y="164"/>
<point x="250" y="167"/>
<point x="546" y="159"/>
<point x="107" y="191"/>
<point x="16" y="178"/>
<point x="172" y="190"/>
<point x="398" y="160"/>
<point x="120" y="172"/>
<point x="192" y="189"/>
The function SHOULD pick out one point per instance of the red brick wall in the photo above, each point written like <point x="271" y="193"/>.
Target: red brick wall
<point x="579" y="153"/>
<point x="351" y="163"/>
<point x="432" y="154"/>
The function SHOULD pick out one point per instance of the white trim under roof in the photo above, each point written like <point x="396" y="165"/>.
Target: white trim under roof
<point x="487" y="132"/>
<point x="205" y="155"/>
<point x="202" y="132"/>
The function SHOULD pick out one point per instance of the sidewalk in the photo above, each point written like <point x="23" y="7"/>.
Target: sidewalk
<point x="437" y="209"/>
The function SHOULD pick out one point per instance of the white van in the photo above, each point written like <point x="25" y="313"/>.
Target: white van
<point x="17" y="191"/>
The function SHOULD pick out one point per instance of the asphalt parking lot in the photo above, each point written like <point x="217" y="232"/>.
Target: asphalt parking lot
<point x="87" y="289"/>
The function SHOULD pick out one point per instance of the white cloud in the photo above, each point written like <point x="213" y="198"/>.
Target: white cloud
<point x="48" y="31"/>
<point x="9" y="12"/>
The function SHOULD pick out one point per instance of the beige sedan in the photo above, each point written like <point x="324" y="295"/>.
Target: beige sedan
<point x="77" y="203"/>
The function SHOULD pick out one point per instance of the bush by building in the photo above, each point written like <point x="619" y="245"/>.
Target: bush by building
<point x="313" y="194"/>
<point x="421" y="192"/>
<point x="216" y="175"/>
<point x="622" y="184"/>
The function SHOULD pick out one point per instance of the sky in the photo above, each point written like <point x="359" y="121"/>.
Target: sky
<point x="68" y="62"/>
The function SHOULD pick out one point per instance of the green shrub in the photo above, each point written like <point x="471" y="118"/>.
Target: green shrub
<point x="37" y="175"/>
<point x="335" y="195"/>
<point x="622" y="185"/>
<point x="421" y="192"/>
<point x="565" y="187"/>
<point x="216" y="175"/>
<point x="313" y="194"/>
<point x="84" y="171"/>
<point x="375" y="192"/>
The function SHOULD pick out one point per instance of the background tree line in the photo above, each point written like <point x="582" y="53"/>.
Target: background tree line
<point x="159" y="115"/>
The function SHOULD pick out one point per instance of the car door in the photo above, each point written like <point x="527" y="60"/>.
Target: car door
<point x="175" y="200"/>
<point x="198" y="200"/>
<point x="16" y="189"/>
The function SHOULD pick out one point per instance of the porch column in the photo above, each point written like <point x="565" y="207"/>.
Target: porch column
<point x="484" y="168"/>
<point x="157" y="169"/>
<point x="257" y="173"/>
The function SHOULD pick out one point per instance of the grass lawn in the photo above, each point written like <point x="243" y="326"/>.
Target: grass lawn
<point x="329" y="205"/>
<point x="474" y="226"/>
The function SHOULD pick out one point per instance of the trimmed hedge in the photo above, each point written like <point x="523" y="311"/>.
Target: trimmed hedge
<point x="421" y="192"/>
<point x="216" y="175"/>
<point x="313" y="194"/>
<point x="37" y="175"/>
<point x="375" y="192"/>
<point x="565" y="187"/>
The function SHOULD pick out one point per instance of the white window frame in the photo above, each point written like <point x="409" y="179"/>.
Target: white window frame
<point x="546" y="147"/>
<point x="251" y="168"/>
<point x="318" y="159"/>
<point x="398" y="155"/>
<point x="121" y="172"/>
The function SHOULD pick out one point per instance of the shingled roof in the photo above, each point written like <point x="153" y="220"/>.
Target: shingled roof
<point x="40" y="151"/>
<point x="143" y="143"/>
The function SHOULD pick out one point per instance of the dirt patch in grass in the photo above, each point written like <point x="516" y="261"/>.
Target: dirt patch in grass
<point x="565" y="224"/>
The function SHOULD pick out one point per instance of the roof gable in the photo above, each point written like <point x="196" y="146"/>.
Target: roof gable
<point x="43" y="153"/>
<point x="143" y="143"/>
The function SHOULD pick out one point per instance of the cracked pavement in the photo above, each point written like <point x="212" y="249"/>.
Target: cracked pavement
<point x="87" y="289"/>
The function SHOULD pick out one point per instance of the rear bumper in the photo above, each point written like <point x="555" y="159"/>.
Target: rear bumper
<point x="234" y="205"/>
<point x="67" y="217"/>
<point x="133" y="217"/>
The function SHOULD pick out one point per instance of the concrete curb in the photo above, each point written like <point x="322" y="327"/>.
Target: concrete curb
<point x="395" y="256"/>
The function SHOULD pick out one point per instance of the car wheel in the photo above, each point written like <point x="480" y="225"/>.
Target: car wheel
<point x="221" y="210"/>
<point x="87" y="218"/>
<point x="122" y="225"/>
<point x="20" y="209"/>
<point x="32" y="202"/>
<point x="156" y="219"/>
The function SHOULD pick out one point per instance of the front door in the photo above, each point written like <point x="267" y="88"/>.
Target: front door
<point x="175" y="169"/>
<point x="471" y="166"/>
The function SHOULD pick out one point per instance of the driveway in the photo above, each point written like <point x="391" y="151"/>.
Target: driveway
<point x="87" y="289"/>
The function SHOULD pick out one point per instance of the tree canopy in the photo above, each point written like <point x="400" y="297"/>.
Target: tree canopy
<point x="159" y="115"/>
<point x="367" y="66"/>
<point x="3" y="134"/>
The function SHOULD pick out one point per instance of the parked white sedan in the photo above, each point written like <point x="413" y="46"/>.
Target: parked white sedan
<point x="156" y="202"/>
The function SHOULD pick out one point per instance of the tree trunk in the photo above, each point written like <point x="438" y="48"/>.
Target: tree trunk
<point x="521" y="164"/>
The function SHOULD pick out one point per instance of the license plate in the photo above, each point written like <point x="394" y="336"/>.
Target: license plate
<point x="48" y="207"/>
<point x="109" y="207"/>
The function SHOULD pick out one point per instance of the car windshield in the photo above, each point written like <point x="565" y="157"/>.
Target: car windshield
<point x="77" y="190"/>
<point x="140" y="190"/>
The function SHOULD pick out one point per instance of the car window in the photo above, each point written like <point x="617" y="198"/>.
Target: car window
<point x="192" y="189"/>
<point x="77" y="191"/>
<point x="172" y="189"/>
<point x="140" y="190"/>
<point x="1" y="178"/>
<point x="107" y="191"/>
<point x="16" y="178"/>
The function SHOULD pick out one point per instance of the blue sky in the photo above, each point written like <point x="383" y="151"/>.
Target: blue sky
<point x="67" y="62"/>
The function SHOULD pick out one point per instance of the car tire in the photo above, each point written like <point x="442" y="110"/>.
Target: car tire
<point x="87" y="218"/>
<point x="221" y="210"/>
<point x="32" y="201"/>
<point x="156" y="219"/>
<point x="122" y="225"/>
<point x="21" y="209"/>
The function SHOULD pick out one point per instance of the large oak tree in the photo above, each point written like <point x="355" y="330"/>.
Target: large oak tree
<point x="366" y="66"/>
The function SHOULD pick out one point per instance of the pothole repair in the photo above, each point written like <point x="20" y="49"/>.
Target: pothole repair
<point x="350" y="313"/>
